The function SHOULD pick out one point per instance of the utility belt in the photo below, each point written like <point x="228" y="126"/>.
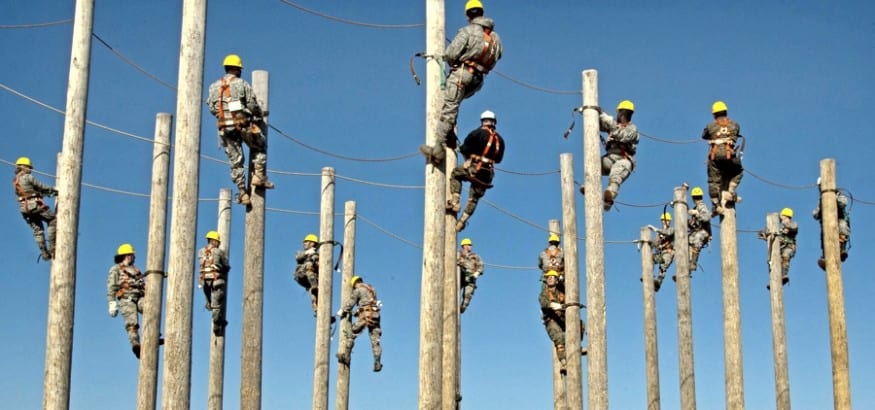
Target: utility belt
<point x="29" y="197"/>
<point x="239" y="120"/>
<point x="471" y="67"/>
<point x="480" y="170"/>
<point x="481" y="161"/>
<point x="210" y="274"/>
<point x="728" y="146"/>
<point x="132" y="296"/>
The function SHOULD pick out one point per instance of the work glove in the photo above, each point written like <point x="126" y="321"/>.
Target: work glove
<point x="54" y="192"/>
<point x="310" y="251"/>
<point x="476" y="274"/>
<point x="113" y="308"/>
<point x="214" y="267"/>
<point x="651" y="227"/>
<point x="693" y="212"/>
<point x="555" y="306"/>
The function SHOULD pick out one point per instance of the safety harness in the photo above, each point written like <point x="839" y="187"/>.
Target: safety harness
<point x="369" y="311"/>
<point x="129" y="282"/>
<point x="24" y="196"/>
<point x="207" y="271"/>
<point x="723" y="137"/>
<point x="236" y="118"/>
<point x="485" y="61"/>
<point x="482" y="162"/>
<point x="553" y="253"/>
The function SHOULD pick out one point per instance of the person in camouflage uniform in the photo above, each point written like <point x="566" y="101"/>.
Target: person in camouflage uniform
<point x="620" y="148"/>
<point x="240" y="120"/>
<point x="724" y="161"/>
<point x="844" y="215"/>
<point x="553" y="258"/>
<point x="482" y="149"/>
<point x="214" y="270"/>
<point x="470" y="268"/>
<point x="29" y="192"/>
<point x="307" y="270"/>
<point x="552" y="302"/>
<point x="368" y="315"/>
<point x="125" y="287"/>
<point x="699" y="227"/>
<point x="663" y="252"/>
<point x="471" y="55"/>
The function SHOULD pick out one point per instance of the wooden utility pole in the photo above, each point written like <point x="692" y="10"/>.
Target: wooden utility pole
<point x="597" y="380"/>
<point x="216" y="392"/>
<point x="686" y="371"/>
<point x="451" y="393"/>
<point x="651" y="351"/>
<point x="253" y="271"/>
<point x="779" y="331"/>
<point x="62" y="288"/>
<point x="176" y="383"/>
<point x="431" y="299"/>
<point x="838" y="331"/>
<point x="349" y="218"/>
<point x="147" y="385"/>
<point x="734" y="377"/>
<point x="560" y="399"/>
<point x="323" y="309"/>
<point x="574" y="379"/>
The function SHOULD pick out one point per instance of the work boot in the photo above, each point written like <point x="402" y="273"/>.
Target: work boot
<point x="243" y="198"/>
<point x="657" y="283"/>
<point x="261" y="181"/>
<point x="844" y="255"/>
<point x="454" y="204"/>
<point x="464" y="306"/>
<point x="609" y="200"/>
<point x="582" y="190"/>
<point x="463" y="221"/>
<point x="694" y="260"/>
<point x="433" y="153"/>
<point x="343" y="357"/>
<point x="584" y="351"/>
<point x="822" y="263"/>
<point x="377" y="365"/>
<point x="45" y="254"/>
<point x="560" y="354"/>
<point x="785" y="279"/>
<point x="136" y="350"/>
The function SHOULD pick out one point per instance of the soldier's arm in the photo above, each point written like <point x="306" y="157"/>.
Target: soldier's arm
<point x="706" y="135"/>
<point x="628" y="135"/>
<point x="213" y="99"/>
<point x="353" y="299"/>
<point x="251" y="100"/>
<point x="39" y="187"/>
<point x="454" y="51"/>
<point x="112" y="285"/>
<point x="478" y="264"/>
<point x="541" y="261"/>
<point x="606" y="122"/>
<point x="543" y="300"/>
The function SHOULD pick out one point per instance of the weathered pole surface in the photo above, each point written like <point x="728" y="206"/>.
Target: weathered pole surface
<point x="147" y="385"/>
<point x="651" y="351"/>
<point x="431" y="299"/>
<point x="560" y="401"/>
<point x="451" y="393"/>
<point x="62" y="283"/>
<point x="779" y="330"/>
<point x="574" y="379"/>
<point x="349" y="218"/>
<point x="734" y="377"/>
<point x="321" y="364"/>
<point x="838" y="332"/>
<point x="176" y="383"/>
<point x="686" y="370"/>
<point x="597" y="380"/>
<point x="253" y="273"/>
<point x="215" y="389"/>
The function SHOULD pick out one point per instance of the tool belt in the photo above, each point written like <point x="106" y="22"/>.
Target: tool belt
<point x="724" y="144"/>
<point x="209" y="274"/>
<point x="475" y="68"/>
<point x="369" y="313"/>
<point x="481" y="170"/>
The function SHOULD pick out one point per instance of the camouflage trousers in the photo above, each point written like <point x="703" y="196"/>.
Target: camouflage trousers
<point x="663" y="258"/>
<point x="130" y="308"/>
<point x="556" y="331"/>
<point x="214" y="291"/>
<point x="36" y="220"/>
<point x="232" y="141"/>
<point x="374" y="331"/>
<point x="475" y="192"/>
<point x="698" y="239"/>
<point x="788" y="251"/>
<point x="617" y="168"/>
<point x="461" y="84"/>
<point x="722" y="172"/>
<point x="468" y="284"/>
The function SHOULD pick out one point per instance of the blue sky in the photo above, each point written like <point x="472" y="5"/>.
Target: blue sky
<point x="797" y="76"/>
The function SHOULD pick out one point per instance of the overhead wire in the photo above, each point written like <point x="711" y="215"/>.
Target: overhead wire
<point x="345" y="157"/>
<point x="351" y="22"/>
<point x="36" y="25"/>
<point x="133" y="64"/>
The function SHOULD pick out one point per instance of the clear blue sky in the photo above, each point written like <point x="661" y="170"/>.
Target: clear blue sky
<point x="796" y="75"/>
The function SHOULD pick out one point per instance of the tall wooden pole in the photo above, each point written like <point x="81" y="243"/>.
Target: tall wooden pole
<point x="253" y="274"/>
<point x="216" y="392"/>
<point x="597" y="360"/>
<point x="560" y="400"/>
<point x="62" y="288"/>
<point x="574" y="379"/>
<point x="734" y="378"/>
<point x="434" y="229"/>
<point x="686" y="371"/>
<point x="451" y="393"/>
<point x="349" y="218"/>
<point x="323" y="310"/>
<point x="651" y="351"/>
<point x="176" y="384"/>
<point x="838" y="332"/>
<point x="147" y="386"/>
<point x="779" y="331"/>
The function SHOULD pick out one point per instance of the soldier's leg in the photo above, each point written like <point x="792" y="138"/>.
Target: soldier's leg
<point x="557" y="336"/>
<point x="460" y="173"/>
<point x="232" y="144"/>
<point x="313" y="279"/>
<point x="620" y="171"/>
<point x="375" y="332"/>
<point x="844" y="237"/>
<point x="474" y="194"/>
<point x="48" y="215"/>
<point x="128" y="310"/>
<point x="787" y="253"/>
<point x="36" y="225"/>
<point x="208" y="294"/>
<point x="715" y="182"/>
<point x="257" y="142"/>
<point x="468" y="294"/>
<point x="218" y="302"/>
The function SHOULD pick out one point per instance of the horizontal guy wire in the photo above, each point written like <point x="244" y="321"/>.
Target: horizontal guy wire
<point x="36" y="25"/>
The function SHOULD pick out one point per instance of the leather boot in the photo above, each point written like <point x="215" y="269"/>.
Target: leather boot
<point x="243" y="197"/>
<point x="454" y="204"/>
<point x="433" y="153"/>
<point x="609" y="200"/>
<point x="694" y="259"/>
<point x="377" y="364"/>
<point x="260" y="180"/>
<point x="463" y="221"/>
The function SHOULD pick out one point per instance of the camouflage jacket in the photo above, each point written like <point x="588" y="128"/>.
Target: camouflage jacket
<point x="722" y="128"/>
<point x="552" y="258"/>
<point x="550" y="295"/>
<point x="664" y="239"/>
<point x="787" y="233"/>
<point x="469" y="262"/>
<point x="622" y="138"/>
<point x="238" y="90"/>
<point x="469" y="45"/>
<point x="27" y="185"/>
<point x="124" y="281"/>
<point x="308" y="260"/>
<point x="701" y="219"/>
<point x="364" y="296"/>
<point x="841" y="205"/>
<point x="213" y="263"/>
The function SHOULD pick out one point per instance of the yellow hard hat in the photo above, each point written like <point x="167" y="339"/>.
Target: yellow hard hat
<point x="311" y="238"/>
<point x="697" y="191"/>
<point x="787" y="212"/>
<point x="551" y="273"/>
<point x="124" y="249"/>
<point x="626" y="105"/>
<point x="665" y="217"/>
<point x="213" y="235"/>
<point x="23" y="161"/>
<point x="718" y="106"/>
<point x="466" y="241"/>
<point x="233" y="60"/>
<point x="553" y="238"/>
<point x="355" y="279"/>
<point x="473" y="4"/>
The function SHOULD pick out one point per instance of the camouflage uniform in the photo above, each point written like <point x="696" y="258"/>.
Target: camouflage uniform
<point x="126" y="284"/>
<point x="214" y="269"/>
<point x="619" y="159"/>
<point x="307" y="272"/>
<point x="787" y="232"/>
<point x="663" y="253"/>
<point x="470" y="268"/>
<point x="724" y="164"/>
<point x="554" y="319"/>
<point x="699" y="231"/>
<point x="29" y="192"/>
<point x="552" y="258"/>
<point x="482" y="149"/>
<point x="844" y="216"/>
<point x="239" y="126"/>
<point x="368" y="315"/>
<point x="471" y="55"/>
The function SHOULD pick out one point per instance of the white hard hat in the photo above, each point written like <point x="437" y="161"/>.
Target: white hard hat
<point x="487" y="115"/>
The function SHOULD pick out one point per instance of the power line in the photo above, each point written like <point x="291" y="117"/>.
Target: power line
<point x="133" y="64"/>
<point x="534" y="87"/>
<point x="331" y="154"/>
<point x="36" y="25"/>
<point x="809" y="186"/>
<point x="668" y="141"/>
<point x="352" y="22"/>
<point x="527" y="173"/>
